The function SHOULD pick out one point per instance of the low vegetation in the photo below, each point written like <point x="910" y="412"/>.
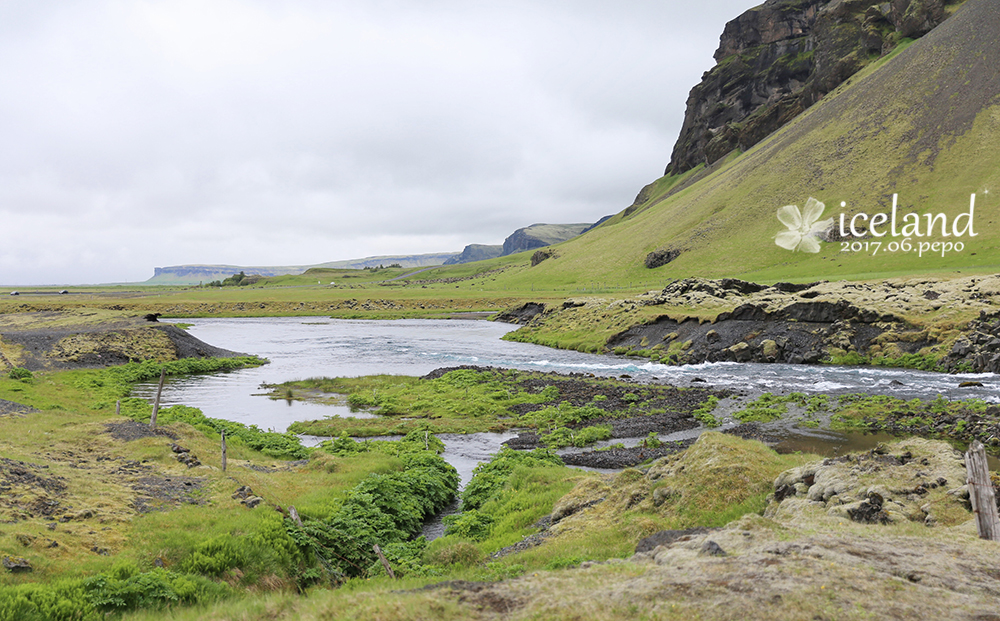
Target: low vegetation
<point x="564" y="410"/>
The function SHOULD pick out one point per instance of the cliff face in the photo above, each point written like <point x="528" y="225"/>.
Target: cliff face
<point x="779" y="58"/>
<point x="539" y="235"/>
<point x="476" y="252"/>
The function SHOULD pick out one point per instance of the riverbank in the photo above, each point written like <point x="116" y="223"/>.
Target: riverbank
<point x="83" y="338"/>
<point x="943" y="325"/>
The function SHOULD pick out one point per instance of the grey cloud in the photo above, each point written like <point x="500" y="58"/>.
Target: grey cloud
<point x="298" y="132"/>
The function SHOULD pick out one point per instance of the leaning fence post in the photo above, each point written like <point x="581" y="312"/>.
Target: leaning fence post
<point x="156" y="404"/>
<point x="223" y="450"/>
<point x="981" y="492"/>
<point x="385" y="563"/>
<point x="118" y="407"/>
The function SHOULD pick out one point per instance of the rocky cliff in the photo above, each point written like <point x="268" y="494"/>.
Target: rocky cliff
<point x="476" y="252"/>
<point x="779" y="58"/>
<point x="539" y="235"/>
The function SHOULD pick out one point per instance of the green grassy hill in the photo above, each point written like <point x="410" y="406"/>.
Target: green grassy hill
<point x="922" y="123"/>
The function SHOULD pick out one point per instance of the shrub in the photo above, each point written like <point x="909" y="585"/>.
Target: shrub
<point x="384" y="508"/>
<point x="488" y="478"/>
<point x="462" y="553"/>
<point x="19" y="373"/>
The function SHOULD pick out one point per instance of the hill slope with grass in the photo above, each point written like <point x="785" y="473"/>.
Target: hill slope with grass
<point x="920" y="123"/>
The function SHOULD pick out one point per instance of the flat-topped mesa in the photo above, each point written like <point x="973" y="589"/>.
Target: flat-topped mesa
<point x="777" y="59"/>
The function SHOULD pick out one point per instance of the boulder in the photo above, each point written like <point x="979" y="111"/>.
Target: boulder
<point x="16" y="565"/>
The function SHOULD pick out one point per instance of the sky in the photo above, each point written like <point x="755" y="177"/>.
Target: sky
<point x="141" y="134"/>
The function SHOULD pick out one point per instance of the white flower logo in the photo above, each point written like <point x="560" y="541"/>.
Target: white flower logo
<point x="802" y="229"/>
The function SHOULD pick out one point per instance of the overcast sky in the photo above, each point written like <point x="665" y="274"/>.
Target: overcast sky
<point x="136" y="134"/>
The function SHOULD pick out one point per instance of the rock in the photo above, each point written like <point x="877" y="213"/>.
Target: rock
<point x="16" y="565"/>
<point x="253" y="501"/>
<point x="522" y="314"/>
<point x="668" y="537"/>
<point x="541" y="255"/>
<point x="24" y="540"/>
<point x="242" y="493"/>
<point x="969" y="384"/>
<point x="741" y="352"/>
<point x="712" y="336"/>
<point x="710" y="548"/>
<point x="769" y="350"/>
<point x="188" y="459"/>
<point x="659" y="258"/>
<point x="662" y="495"/>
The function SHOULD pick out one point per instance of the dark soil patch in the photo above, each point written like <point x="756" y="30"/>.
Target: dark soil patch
<point x="669" y="537"/>
<point x="753" y="431"/>
<point x="13" y="473"/>
<point x="10" y="408"/>
<point x="133" y="430"/>
<point x="17" y="477"/>
<point x="158" y="492"/>
<point x="479" y="594"/>
<point x="618" y="458"/>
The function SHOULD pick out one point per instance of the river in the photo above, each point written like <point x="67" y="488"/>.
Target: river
<point x="304" y="347"/>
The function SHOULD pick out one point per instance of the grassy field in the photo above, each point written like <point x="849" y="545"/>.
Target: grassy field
<point x="111" y="520"/>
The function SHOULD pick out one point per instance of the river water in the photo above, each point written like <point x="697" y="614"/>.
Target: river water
<point x="304" y="347"/>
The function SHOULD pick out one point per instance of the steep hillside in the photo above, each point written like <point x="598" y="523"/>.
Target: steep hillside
<point x="781" y="57"/>
<point x="921" y="123"/>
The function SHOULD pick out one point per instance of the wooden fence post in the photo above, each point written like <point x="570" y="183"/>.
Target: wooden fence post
<point x="294" y="514"/>
<point x="156" y="404"/>
<point x="981" y="492"/>
<point x="118" y="407"/>
<point x="223" y="450"/>
<point x="385" y="563"/>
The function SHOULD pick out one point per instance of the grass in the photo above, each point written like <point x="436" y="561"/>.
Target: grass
<point x="60" y="461"/>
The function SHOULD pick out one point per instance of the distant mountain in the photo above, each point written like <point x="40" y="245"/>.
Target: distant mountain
<point x="527" y="238"/>
<point x="539" y="235"/>
<point x="194" y="274"/>
<point x="476" y="252"/>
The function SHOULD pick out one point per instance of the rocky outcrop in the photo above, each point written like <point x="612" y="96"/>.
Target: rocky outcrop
<point x="803" y="332"/>
<point x="914" y="480"/>
<point x="944" y="325"/>
<point x="476" y="252"/>
<point x="777" y="59"/>
<point x="522" y="314"/>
